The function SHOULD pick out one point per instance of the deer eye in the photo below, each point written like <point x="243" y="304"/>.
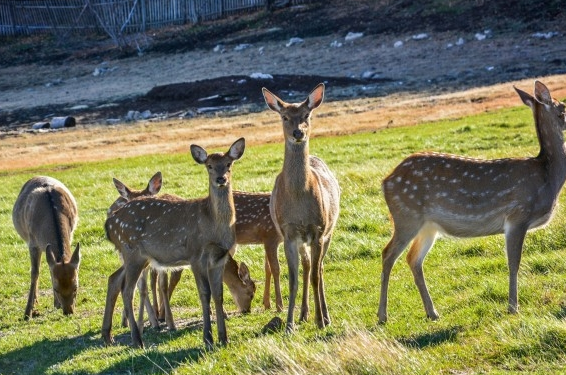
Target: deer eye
<point x="228" y="164"/>
<point x="285" y="118"/>
<point x="209" y="166"/>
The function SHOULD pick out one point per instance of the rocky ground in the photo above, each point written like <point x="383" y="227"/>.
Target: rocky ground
<point x="364" y="49"/>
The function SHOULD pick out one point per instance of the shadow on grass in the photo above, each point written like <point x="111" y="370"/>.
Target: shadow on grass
<point x="431" y="339"/>
<point x="44" y="356"/>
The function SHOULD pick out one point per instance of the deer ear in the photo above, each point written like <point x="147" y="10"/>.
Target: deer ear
<point x="542" y="94"/>
<point x="154" y="184"/>
<point x="244" y="273"/>
<point x="76" y="258"/>
<point x="50" y="256"/>
<point x="199" y="154"/>
<point x="316" y="97"/>
<point x="526" y="98"/>
<point x="237" y="149"/>
<point x="122" y="189"/>
<point x="272" y="100"/>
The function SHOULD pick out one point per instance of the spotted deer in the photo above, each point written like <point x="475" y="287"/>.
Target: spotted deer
<point x="253" y="226"/>
<point x="432" y="193"/>
<point x="171" y="234"/>
<point x="236" y="276"/>
<point x="45" y="215"/>
<point x="304" y="205"/>
<point x="127" y="194"/>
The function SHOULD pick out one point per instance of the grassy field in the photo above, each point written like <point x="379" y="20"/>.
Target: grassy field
<point x="467" y="278"/>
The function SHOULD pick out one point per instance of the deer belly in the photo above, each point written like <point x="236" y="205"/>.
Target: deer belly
<point x="471" y="225"/>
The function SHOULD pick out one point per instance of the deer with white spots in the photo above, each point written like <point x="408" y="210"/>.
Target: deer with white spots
<point x="253" y="226"/>
<point x="45" y="215"/>
<point x="172" y="234"/>
<point x="304" y="205"/>
<point x="236" y="276"/>
<point x="431" y="193"/>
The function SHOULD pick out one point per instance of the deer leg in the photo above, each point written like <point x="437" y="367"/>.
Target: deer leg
<point x="35" y="257"/>
<point x="389" y="256"/>
<point x="316" y="277"/>
<point x="132" y="274"/>
<point x="153" y="275"/>
<point x="145" y="302"/>
<point x="420" y="247"/>
<point x="174" y="279"/>
<point x="163" y="288"/>
<point x="306" y="262"/>
<point x="323" y="306"/>
<point x="272" y="259"/>
<point x="292" y="255"/>
<point x="217" y="261"/>
<point x="266" y="291"/>
<point x="115" y="282"/>
<point x="514" y="238"/>
<point x="203" y="287"/>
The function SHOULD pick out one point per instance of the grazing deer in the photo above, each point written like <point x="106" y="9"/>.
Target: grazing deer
<point x="45" y="215"/>
<point x="304" y="204"/>
<point x="236" y="277"/>
<point x="170" y="233"/>
<point x="253" y="226"/>
<point x="431" y="193"/>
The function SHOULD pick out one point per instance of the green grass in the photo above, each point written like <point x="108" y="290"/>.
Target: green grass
<point x="467" y="278"/>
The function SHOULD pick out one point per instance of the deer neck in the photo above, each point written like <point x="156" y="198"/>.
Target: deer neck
<point x="221" y="205"/>
<point x="552" y="153"/>
<point x="296" y="167"/>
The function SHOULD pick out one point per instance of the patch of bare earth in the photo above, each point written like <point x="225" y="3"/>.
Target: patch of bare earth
<point x="92" y="143"/>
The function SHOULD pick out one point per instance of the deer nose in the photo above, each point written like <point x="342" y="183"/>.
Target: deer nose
<point x="221" y="180"/>
<point x="298" y="134"/>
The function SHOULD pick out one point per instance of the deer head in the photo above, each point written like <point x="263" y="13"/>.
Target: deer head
<point x="65" y="279"/>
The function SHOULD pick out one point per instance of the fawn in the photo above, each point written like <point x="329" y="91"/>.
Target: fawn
<point x="172" y="234"/>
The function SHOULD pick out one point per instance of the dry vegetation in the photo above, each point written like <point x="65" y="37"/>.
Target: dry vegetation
<point x="91" y="143"/>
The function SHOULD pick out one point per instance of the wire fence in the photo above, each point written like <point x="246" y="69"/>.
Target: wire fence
<point x="118" y="17"/>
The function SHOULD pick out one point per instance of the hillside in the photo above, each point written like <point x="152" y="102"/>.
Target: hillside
<point x="42" y="76"/>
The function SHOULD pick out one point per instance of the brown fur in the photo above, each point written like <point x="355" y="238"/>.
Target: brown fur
<point x="172" y="233"/>
<point x="304" y="205"/>
<point x="45" y="215"/>
<point x="431" y="193"/>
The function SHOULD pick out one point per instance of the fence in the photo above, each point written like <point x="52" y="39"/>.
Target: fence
<point x="116" y="16"/>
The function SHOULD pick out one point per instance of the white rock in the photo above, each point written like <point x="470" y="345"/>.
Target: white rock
<point x="398" y="44"/>
<point x="261" y="76"/>
<point x="480" y="36"/>
<point x="336" y="44"/>
<point x="547" y="35"/>
<point x="241" y="47"/>
<point x="294" y="41"/>
<point x="420" y="36"/>
<point x="353" y="36"/>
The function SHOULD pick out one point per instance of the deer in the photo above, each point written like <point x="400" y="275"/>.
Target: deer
<point x="432" y="193"/>
<point x="253" y="226"/>
<point x="236" y="276"/>
<point x="170" y="233"/>
<point x="304" y="205"/>
<point x="45" y="216"/>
